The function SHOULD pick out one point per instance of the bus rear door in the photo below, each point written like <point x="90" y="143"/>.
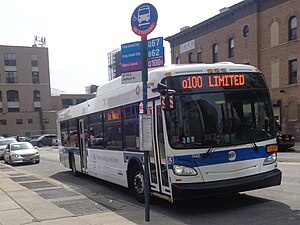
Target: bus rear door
<point x="82" y="148"/>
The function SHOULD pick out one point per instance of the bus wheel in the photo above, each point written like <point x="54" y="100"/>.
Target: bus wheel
<point x="137" y="183"/>
<point x="73" y="166"/>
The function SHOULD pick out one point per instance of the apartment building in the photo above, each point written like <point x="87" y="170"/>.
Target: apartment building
<point x="262" y="33"/>
<point x="26" y="104"/>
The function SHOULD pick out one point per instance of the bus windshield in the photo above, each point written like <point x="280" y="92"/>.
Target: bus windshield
<point x="220" y="118"/>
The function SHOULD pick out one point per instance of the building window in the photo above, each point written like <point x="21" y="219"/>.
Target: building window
<point x="190" y="58"/>
<point x="37" y="109"/>
<point x="293" y="71"/>
<point x="35" y="77"/>
<point x="199" y="57"/>
<point x="292" y="28"/>
<point x="246" y="31"/>
<point x="34" y="61"/>
<point x="177" y="60"/>
<point x="3" y="122"/>
<point x="231" y="48"/>
<point x="29" y="121"/>
<point x="13" y="110"/>
<point x="10" y="59"/>
<point x="19" y="121"/>
<point x="215" y="53"/>
<point x="66" y="103"/>
<point x="11" y="77"/>
<point x="0" y="96"/>
<point x="12" y="96"/>
<point x="80" y="100"/>
<point x="292" y="111"/>
<point x="46" y="121"/>
<point x="274" y="34"/>
<point x="36" y="96"/>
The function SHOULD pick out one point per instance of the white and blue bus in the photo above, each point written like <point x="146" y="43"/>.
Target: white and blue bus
<point x="212" y="125"/>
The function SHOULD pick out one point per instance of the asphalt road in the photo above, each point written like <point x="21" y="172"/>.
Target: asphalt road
<point x="276" y="205"/>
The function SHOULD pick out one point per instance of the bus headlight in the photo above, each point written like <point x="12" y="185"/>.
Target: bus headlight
<point x="270" y="159"/>
<point x="184" y="171"/>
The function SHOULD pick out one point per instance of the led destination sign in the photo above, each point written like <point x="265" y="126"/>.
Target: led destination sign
<point x="214" y="82"/>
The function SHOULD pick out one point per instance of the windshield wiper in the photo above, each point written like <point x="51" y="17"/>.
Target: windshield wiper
<point x="212" y="140"/>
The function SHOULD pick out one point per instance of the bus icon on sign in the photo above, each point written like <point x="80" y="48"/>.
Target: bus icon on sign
<point x="144" y="15"/>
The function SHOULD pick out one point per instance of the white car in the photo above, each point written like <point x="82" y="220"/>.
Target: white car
<point x="21" y="152"/>
<point x="3" y="144"/>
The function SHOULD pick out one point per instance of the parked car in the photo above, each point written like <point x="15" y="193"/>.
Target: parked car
<point x="285" y="141"/>
<point x="22" y="139"/>
<point x="31" y="137"/>
<point x="44" y="140"/>
<point x="20" y="152"/>
<point x="3" y="144"/>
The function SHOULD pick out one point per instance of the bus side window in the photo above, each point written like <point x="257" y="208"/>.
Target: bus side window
<point x="95" y="134"/>
<point x="131" y="126"/>
<point x="113" y="129"/>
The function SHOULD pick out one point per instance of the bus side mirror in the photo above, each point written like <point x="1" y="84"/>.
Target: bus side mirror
<point x="162" y="89"/>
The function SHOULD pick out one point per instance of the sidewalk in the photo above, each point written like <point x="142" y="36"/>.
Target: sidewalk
<point x="30" y="199"/>
<point x="297" y="147"/>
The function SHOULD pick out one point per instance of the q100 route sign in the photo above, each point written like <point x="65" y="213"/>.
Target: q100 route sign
<point x="143" y="20"/>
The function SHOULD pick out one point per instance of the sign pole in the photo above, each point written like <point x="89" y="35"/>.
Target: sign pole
<point x="143" y="22"/>
<point x="146" y="153"/>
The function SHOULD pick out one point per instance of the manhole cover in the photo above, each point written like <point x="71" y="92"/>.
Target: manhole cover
<point x="56" y="193"/>
<point x="21" y="179"/>
<point x="38" y="185"/>
<point x="81" y="206"/>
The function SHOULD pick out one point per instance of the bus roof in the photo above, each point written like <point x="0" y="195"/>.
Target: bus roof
<point x="114" y="94"/>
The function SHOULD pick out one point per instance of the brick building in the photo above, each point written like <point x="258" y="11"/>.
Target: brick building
<point x="26" y="104"/>
<point x="263" y="33"/>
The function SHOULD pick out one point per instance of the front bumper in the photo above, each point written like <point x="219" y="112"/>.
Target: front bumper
<point x="15" y="160"/>
<point x="268" y="179"/>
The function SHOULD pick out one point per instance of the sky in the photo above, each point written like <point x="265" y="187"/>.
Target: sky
<point x="80" y="33"/>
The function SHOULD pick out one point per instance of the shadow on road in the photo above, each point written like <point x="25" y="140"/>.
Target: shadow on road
<point x="229" y="209"/>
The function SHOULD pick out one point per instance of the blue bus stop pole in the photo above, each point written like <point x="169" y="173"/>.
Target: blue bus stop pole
<point x="146" y="153"/>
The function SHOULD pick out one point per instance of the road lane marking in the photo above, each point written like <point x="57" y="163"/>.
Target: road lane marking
<point x="290" y="163"/>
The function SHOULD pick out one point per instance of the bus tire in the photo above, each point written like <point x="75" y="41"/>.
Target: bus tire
<point x="136" y="183"/>
<point x="73" y="165"/>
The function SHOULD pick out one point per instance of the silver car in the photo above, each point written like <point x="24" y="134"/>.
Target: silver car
<point x="3" y="144"/>
<point x="21" y="152"/>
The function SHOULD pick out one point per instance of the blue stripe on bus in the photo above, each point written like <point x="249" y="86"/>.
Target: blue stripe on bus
<point x="137" y="155"/>
<point x="219" y="157"/>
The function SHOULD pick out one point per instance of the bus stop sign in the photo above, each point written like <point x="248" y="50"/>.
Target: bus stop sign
<point x="143" y="20"/>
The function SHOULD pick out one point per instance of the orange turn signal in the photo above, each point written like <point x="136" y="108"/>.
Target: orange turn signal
<point x="272" y="148"/>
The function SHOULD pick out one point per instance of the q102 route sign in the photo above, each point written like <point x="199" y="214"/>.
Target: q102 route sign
<point x="143" y="20"/>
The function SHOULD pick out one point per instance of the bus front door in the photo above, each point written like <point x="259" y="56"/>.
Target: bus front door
<point x="158" y="160"/>
<point x="82" y="148"/>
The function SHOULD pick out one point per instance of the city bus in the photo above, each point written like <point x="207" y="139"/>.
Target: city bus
<point x="213" y="132"/>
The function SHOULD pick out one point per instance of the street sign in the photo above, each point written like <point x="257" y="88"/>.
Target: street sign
<point x="131" y="77"/>
<point x="131" y="55"/>
<point x="143" y="20"/>
<point x="155" y="52"/>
